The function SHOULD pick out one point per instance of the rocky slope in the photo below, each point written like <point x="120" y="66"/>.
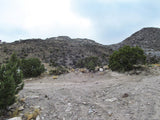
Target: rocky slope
<point x="66" y="51"/>
<point x="147" y="38"/>
<point x="62" y="50"/>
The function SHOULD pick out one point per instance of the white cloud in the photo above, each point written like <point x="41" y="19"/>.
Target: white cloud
<point x="41" y="18"/>
<point x="106" y="21"/>
<point x="49" y="14"/>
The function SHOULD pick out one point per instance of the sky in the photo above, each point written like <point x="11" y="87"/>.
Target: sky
<point x="104" y="21"/>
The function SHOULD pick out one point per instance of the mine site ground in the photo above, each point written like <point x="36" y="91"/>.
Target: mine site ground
<point x="103" y="95"/>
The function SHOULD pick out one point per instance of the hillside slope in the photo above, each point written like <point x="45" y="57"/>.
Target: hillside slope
<point x="62" y="50"/>
<point x="147" y="38"/>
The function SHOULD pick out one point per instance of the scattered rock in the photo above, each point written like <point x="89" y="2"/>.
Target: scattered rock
<point x="46" y="96"/>
<point x="111" y="100"/>
<point x="131" y="72"/>
<point x="69" y="107"/>
<point x="37" y="107"/>
<point x="20" y="108"/>
<point x="101" y="69"/>
<point x="110" y="113"/>
<point x="105" y="67"/>
<point x="34" y="97"/>
<point x="83" y="70"/>
<point x="138" y="72"/>
<point x="90" y="111"/>
<point x="16" y="118"/>
<point x="125" y="95"/>
<point x="22" y="100"/>
<point x="84" y="103"/>
<point x="38" y="118"/>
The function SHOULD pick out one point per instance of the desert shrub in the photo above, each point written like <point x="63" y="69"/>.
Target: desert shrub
<point x="10" y="82"/>
<point x="153" y="60"/>
<point x="58" y="71"/>
<point x="124" y="59"/>
<point x="53" y="63"/>
<point x="32" y="67"/>
<point x="89" y="62"/>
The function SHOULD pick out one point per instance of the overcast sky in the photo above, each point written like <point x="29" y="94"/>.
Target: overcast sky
<point x="105" y="21"/>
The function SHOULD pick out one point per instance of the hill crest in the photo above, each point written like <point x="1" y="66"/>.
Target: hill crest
<point x="66" y="51"/>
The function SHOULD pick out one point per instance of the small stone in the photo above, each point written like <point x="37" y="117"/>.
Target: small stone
<point x="125" y="95"/>
<point x="131" y="72"/>
<point x="105" y="67"/>
<point x="16" y="118"/>
<point x="84" y="103"/>
<point x="42" y="118"/>
<point x="34" y="97"/>
<point x="111" y="100"/>
<point x="38" y="118"/>
<point x="90" y="111"/>
<point x="20" y="108"/>
<point x="138" y="72"/>
<point x="101" y="69"/>
<point x="69" y="107"/>
<point x="110" y="113"/>
<point x="129" y="102"/>
<point x="22" y="100"/>
<point x="37" y="107"/>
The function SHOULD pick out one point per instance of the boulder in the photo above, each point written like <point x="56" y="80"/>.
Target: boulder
<point x="101" y="69"/>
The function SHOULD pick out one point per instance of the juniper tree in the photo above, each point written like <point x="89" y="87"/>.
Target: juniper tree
<point x="10" y="82"/>
<point x="126" y="57"/>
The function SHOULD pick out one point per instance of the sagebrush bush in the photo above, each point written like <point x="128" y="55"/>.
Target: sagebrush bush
<point x="32" y="67"/>
<point x="89" y="62"/>
<point x="58" y="71"/>
<point x="124" y="59"/>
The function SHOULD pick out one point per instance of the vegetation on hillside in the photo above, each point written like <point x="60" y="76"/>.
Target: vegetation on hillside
<point x="126" y="57"/>
<point x="89" y="62"/>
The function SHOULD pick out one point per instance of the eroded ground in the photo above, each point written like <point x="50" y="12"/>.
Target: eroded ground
<point x="95" y="96"/>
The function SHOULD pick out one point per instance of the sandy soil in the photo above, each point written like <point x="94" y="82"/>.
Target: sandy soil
<point x="99" y="96"/>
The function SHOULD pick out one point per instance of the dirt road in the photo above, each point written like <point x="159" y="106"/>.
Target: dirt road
<point x="99" y="96"/>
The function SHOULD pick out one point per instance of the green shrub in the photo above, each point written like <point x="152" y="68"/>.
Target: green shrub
<point x="32" y="67"/>
<point x="125" y="58"/>
<point x="89" y="62"/>
<point x="10" y="82"/>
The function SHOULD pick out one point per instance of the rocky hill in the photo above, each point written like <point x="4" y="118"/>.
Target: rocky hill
<point x="147" y="38"/>
<point x="61" y="50"/>
<point x="65" y="51"/>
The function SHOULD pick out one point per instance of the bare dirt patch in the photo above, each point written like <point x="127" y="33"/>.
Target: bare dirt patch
<point x="95" y="96"/>
<point x="91" y="96"/>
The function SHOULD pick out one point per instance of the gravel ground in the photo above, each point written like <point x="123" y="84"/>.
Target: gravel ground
<point x="95" y="96"/>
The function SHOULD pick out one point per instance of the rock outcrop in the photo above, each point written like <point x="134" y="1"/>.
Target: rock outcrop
<point x="60" y="50"/>
<point x="147" y="38"/>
